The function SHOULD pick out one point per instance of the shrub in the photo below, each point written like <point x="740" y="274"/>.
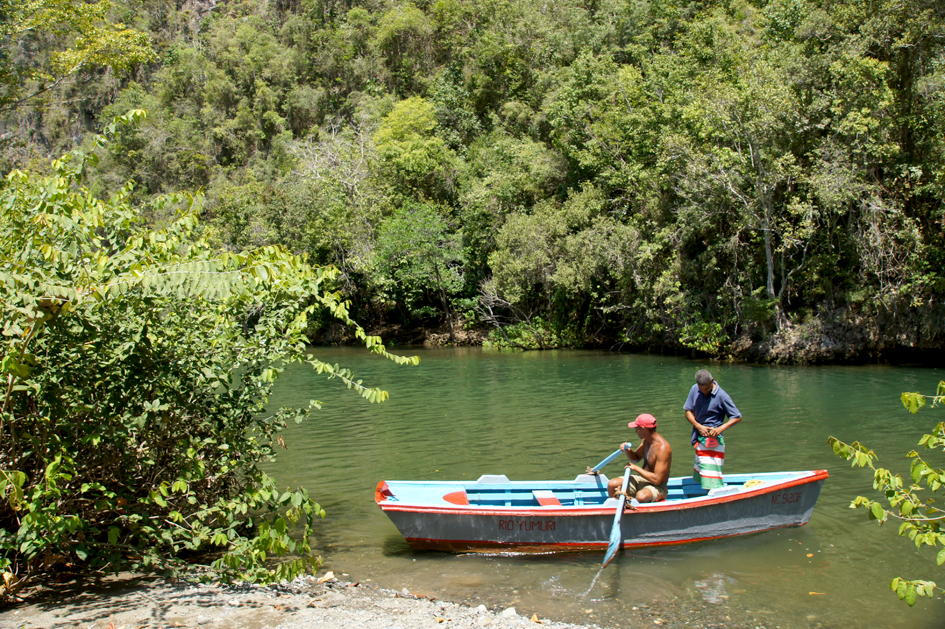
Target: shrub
<point x="137" y="364"/>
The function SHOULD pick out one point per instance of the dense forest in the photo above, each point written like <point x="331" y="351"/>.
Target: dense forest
<point x="752" y="178"/>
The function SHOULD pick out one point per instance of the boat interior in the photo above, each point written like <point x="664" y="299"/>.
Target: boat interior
<point x="489" y="491"/>
<point x="496" y="490"/>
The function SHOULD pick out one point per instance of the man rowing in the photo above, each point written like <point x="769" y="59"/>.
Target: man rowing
<point x="647" y="482"/>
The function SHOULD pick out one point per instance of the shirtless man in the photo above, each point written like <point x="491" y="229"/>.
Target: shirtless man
<point x="647" y="483"/>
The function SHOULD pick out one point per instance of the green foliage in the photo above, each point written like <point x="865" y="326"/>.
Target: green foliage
<point x="556" y="261"/>
<point x="919" y="517"/>
<point x="759" y="163"/>
<point x="601" y="121"/>
<point x="418" y="260"/>
<point x="703" y="336"/>
<point x="83" y="36"/>
<point x="418" y="162"/>
<point x="531" y="334"/>
<point x="404" y="38"/>
<point x="137" y="364"/>
<point x="502" y="175"/>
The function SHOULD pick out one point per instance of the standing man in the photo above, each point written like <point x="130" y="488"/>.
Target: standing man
<point x="648" y="482"/>
<point x="711" y="411"/>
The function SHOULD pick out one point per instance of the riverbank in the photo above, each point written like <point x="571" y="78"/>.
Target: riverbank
<point x="131" y="601"/>
<point x="325" y="602"/>
<point x="815" y="342"/>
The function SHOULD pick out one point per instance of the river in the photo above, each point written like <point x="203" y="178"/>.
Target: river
<point x="465" y="412"/>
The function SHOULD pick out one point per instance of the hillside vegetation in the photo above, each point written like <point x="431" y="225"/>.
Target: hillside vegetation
<point x="753" y="178"/>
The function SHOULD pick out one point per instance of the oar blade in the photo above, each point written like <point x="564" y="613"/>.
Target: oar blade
<point x="616" y="537"/>
<point x="615" y="532"/>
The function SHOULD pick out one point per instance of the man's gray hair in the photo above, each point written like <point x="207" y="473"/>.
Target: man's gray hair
<point x="703" y="377"/>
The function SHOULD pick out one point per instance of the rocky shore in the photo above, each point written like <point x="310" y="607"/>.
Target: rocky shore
<point x="325" y="602"/>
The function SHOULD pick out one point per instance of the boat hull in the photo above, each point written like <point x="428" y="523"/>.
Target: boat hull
<point x="784" y="500"/>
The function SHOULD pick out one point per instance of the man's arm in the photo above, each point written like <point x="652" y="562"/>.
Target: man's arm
<point x="715" y="432"/>
<point x="731" y="411"/>
<point x="632" y="454"/>
<point x="690" y="415"/>
<point x="703" y="430"/>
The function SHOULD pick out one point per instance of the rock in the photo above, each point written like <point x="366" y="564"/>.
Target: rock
<point x="328" y="599"/>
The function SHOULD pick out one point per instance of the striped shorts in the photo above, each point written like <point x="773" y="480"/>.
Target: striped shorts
<point x="709" y="461"/>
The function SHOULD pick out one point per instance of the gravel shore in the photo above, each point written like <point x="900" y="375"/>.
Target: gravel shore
<point x="326" y="602"/>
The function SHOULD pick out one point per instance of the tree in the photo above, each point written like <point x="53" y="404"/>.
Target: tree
<point x="82" y="35"/>
<point x="136" y="367"/>
<point x="335" y="178"/>
<point x="416" y="161"/>
<point x="920" y="519"/>
<point x="416" y="254"/>
<point x="403" y="37"/>
<point x="604" y="123"/>
<point x="553" y="268"/>
<point x="736" y="160"/>
<point x="502" y="175"/>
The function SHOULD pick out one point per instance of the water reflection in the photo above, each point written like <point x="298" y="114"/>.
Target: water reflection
<point x="466" y="412"/>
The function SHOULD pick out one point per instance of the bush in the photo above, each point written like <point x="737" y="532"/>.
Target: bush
<point x="137" y="365"/>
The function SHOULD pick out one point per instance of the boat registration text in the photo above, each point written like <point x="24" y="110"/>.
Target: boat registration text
<point x="526" y="525"/>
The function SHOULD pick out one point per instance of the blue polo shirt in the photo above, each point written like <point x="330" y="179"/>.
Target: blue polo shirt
<point x="710" y="410"/>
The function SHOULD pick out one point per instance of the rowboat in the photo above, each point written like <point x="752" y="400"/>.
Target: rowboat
<point x="494" y="514"/>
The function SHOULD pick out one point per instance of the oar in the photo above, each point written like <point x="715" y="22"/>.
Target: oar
<point x="615" y="535"/>
<point x="610" y="458"/>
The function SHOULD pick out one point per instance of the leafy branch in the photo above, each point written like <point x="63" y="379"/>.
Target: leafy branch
<point x="919" y="518"/>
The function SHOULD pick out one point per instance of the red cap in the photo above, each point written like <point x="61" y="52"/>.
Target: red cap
<point x="643" y="421"/>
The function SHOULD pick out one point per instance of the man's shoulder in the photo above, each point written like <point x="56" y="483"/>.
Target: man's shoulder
<point x="663" y="445"/>
<point x="692" y="397"/>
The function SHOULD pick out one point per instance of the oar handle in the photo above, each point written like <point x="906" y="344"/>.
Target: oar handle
<point x="610" y="458"/>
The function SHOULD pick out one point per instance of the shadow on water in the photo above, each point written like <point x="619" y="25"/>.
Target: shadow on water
<point x="540" y="415"/>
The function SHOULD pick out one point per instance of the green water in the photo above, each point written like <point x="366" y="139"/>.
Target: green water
<point x="462" y="413"/>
